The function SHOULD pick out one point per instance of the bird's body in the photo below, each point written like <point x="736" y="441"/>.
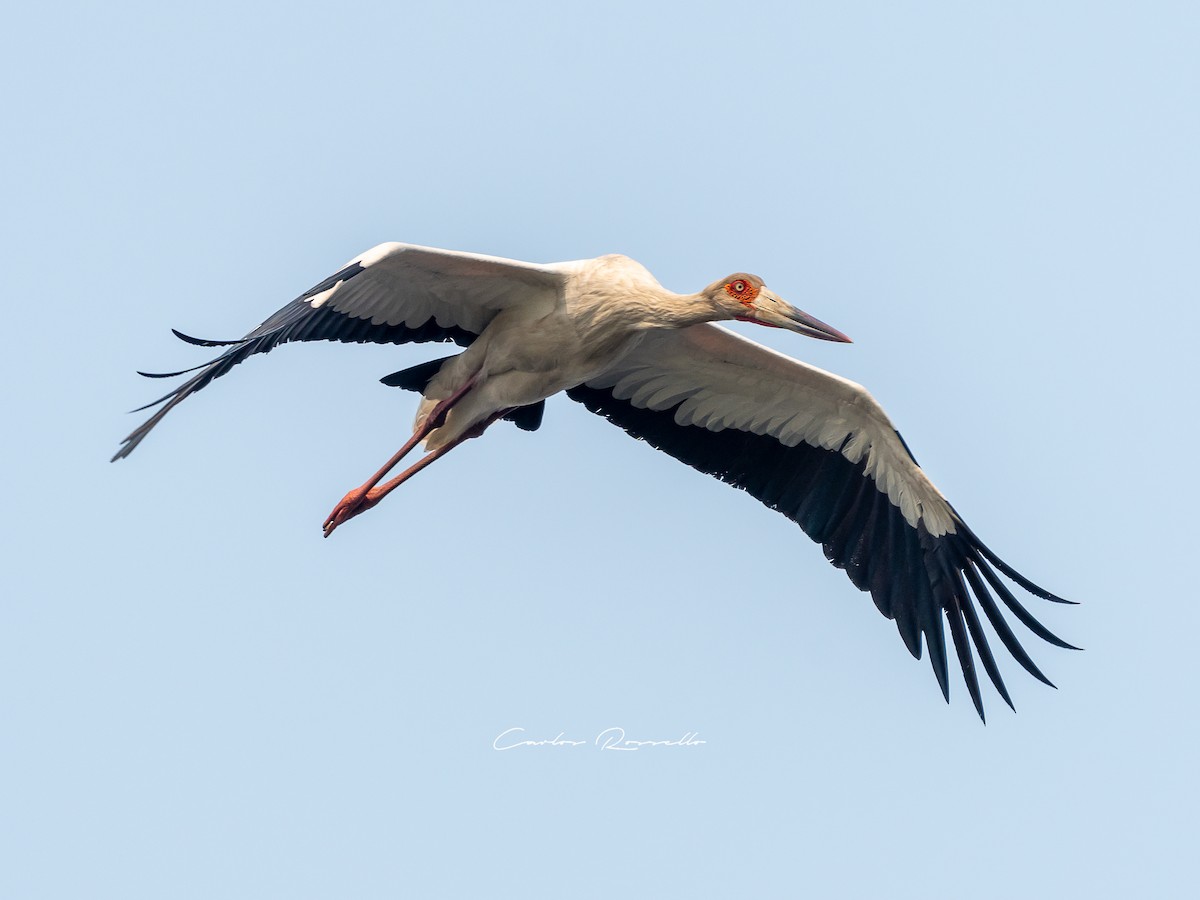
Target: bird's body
<point x="812" y="445"/>
<point x="535" y="350"/>
<point x="602" y="310"/>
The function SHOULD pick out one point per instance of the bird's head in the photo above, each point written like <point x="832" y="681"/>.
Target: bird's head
<point x="745" y="298"/>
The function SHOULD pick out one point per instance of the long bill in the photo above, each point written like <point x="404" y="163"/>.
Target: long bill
<point x="771" y="310"/>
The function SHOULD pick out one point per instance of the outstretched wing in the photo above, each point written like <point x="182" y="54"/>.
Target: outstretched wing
<point x="392" y="294"/>
<point x="820" y="450"/>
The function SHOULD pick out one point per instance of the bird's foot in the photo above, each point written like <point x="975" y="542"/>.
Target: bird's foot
<point x="355" y="502"/>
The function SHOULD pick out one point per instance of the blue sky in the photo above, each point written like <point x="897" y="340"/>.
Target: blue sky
<point x="201" y="697"/>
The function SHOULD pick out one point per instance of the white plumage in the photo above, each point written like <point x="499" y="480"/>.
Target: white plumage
<point x="814" y="446"/>
<point x="716" y="379"/>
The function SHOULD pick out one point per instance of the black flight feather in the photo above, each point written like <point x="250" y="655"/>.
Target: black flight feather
<point x="977" y="635"/>
<point x="298" y="321"/>
<point x="913" y="577"/>
<point x="204" y="342"/>
<point x="1001" y="627"/>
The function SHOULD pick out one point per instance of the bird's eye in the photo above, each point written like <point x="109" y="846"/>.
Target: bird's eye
<point x="742" y="290"/>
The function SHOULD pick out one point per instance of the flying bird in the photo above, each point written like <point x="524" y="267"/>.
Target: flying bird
<point x="806" y="443"/>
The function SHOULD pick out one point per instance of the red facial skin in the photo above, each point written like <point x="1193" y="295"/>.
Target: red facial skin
<point x="742" y="291"/>
<point x="745" y="293"/>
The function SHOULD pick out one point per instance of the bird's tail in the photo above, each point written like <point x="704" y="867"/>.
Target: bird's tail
<point x="417" y="378"/>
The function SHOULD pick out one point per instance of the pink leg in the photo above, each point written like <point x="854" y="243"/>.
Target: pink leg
<point x="372" y="495"/>
<point x="356" y="501"/>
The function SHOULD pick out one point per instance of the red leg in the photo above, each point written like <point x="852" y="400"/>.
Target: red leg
<point x="372" y="495"/>
<point x="356" y="501"/>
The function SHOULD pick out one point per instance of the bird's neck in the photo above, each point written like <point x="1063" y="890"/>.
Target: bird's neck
<point x="666" y="309"/>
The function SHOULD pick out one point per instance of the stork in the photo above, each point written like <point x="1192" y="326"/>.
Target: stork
<point x="809" y="444"/>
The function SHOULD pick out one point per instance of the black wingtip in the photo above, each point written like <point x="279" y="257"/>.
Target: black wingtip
<point x="173" y="374"/>
<point x="152" y="403"/>
<point x="975" y="630"/>
<point x="1035" y="589"/>
<point x="941" y="675"/>
<point x="958" y="632"/>
<point x="202" y="342"/>
<point x="124" y="450"/>
<point x="1006" y="596"/>
<point x="1054" y="598"/>
<point x="1002" y="629"/>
